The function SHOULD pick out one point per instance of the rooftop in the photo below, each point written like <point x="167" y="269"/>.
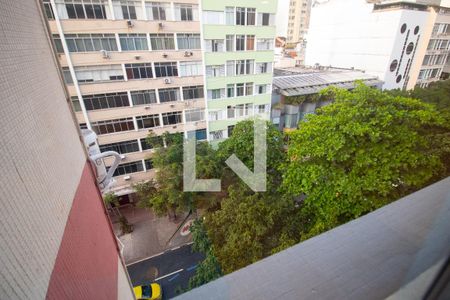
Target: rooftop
<point x="304" y="81"/>
<point x="396" y="249"/>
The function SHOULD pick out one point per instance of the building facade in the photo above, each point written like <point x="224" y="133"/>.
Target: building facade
<point x="134" y="67"/>
<point x="299" y="15"/>
<point x="403" y="43"/>
<point x="238" y="38"/>
<point x="56" y="241"/>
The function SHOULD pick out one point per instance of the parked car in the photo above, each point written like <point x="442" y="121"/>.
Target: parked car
<point x="151" y="291"/>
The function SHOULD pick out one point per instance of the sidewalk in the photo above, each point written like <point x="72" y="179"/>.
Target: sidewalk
<point x="151" y="235"/>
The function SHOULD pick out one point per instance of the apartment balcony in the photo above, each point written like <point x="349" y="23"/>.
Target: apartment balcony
<point x="121" y="26"/>
<point x="128" y="57"/>
<point x="142" y="133"/>
<point x="141" y="110"/>
<point x="135" y="85"/>
<point x="130" y="157"/>
<point x="123" y="184"/>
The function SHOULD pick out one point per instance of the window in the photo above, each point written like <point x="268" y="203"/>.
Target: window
<point x="83" y="126"/>
<point x="105" y="101"/>
<point x="230" y="130"/>
<point x="264" y="44"/>
<point x="191" y="68"/>
<point x="215" y="115"/>
<point x="128" y="168"/>
<point x="249" y="89"/>
<point x="168" y="69"/>
<point x="260" y="109"/>
<point x="230" y="90"/>
<point x="240" y="67"/>
<point x="99" y="73"/>
<point x="265" y="19"/>
<point x="199" y="134"/>
<point x="229" y="15"/>
<point x="157" y="11"/>
<point x="213" y="17"/>
<point x="67" y="76"/>
<point x="216" y="94"/>
<point x="195" y="115"/>
<point x="48" y="10"/>
<point x="87" y="42"/>
<point x="214" y="45"/>
<point x="111" y="126"/>
<point x="144" y="97"/>
<point x="216" y="135"/>
<point x="230" y="68"/>
<point x="244" y="67"/>
<point x="240" y="43"/>
<point x="80" y="9"/>
<point x="139" y="71"/>
<point x="75" y="103"/>
<point x="148" y="164"/>
<point x="162" y="41"/>
<point x="133" y="41"/>
<point x="149" y="121"/>
<point x="193" y="92"/>
<point x="186" y="12"/>
<point x="240" y="91"/>
<point x="261" y="89"/>
<point x="188" y="41"/>
<point x="121" y="147"/>
<point x="215" y="71"/>
<point x="240" y="16"/>
<point x="249" y="66"/>
<point x="169" y="95"/>
<point x="230" y="112"/>
<point x="230" y="43"/>
<point x="251" y="16"/>
<point x="262" y="68"/>
<point x="127" y="9"/>
<point x="250" y="42"/>
<point x="172" y="118"/>
<point x="153" y="142"/>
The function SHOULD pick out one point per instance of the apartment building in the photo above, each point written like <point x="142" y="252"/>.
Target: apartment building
<point x="238" y="40"/>
<point x="299" y="14"/>
<point x="404" y="43"/>
<point x="131" y="68"/>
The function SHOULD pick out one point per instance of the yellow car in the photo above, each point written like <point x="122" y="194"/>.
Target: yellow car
<point x="148" y="292"/>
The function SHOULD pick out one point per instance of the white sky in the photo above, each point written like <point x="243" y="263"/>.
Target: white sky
<point x="282" y="17"/>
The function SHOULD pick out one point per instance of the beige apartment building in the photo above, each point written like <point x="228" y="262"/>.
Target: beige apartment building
<point x="131" y="68"/>
<point x="298" y="23"/>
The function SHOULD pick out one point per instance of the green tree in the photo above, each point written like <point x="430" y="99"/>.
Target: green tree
<point x="361" y="152"/>
<point x="250" y="226"/>
<point x="209" y="268"/>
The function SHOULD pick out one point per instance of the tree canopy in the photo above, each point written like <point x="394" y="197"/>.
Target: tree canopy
<point x="366" y="149"/>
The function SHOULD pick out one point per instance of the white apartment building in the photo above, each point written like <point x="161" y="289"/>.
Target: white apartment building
<point x="404" y="43"/>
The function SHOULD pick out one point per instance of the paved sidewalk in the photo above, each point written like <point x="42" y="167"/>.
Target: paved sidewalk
<point x="151" y="235"/>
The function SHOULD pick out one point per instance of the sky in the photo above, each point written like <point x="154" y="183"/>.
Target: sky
<point x="282" y="17"/>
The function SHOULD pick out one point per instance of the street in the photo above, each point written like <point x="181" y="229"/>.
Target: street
<point x="172" y="270"/>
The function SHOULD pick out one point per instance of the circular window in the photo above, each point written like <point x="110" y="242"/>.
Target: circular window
<point x="403" y="29"/>
<point x="394" y="65"/>
<point x="399" y="78"/>
<point x="416" y="30"/>
<point x="410" y="48"/>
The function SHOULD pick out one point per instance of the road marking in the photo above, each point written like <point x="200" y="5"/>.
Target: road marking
<point x="191" y="268"/>
<point x="170" y="279"/>
<point x="167" y="275"/>
<point x="141" y="260"/>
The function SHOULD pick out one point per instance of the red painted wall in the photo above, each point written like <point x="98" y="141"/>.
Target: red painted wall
<point x="86" y="264"/>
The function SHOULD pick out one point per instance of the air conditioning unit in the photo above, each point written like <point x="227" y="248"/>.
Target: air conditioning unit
<point x="172" y="105"/>
<point x="160" y="25"/>
<point x="167" y="81"/>
<point x="174" y="127"/>
<point x="137" y="57"/>
<point x="105" y="54"/>
<point x="165" y="55"/>
<point x="130" y="23"/>
<point x="122" y="157"/>
<point x="147" y="107"/>
<point x="187" y="54"/>
<point x="126" y="178"/>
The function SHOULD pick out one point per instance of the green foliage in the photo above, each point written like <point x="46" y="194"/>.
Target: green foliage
<point x="111" y="199"/>
<point x="325" y="95"/>
<point x="248" y="227"/>
<point x="209" y="268"/>
<point x="361" y="152"/>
